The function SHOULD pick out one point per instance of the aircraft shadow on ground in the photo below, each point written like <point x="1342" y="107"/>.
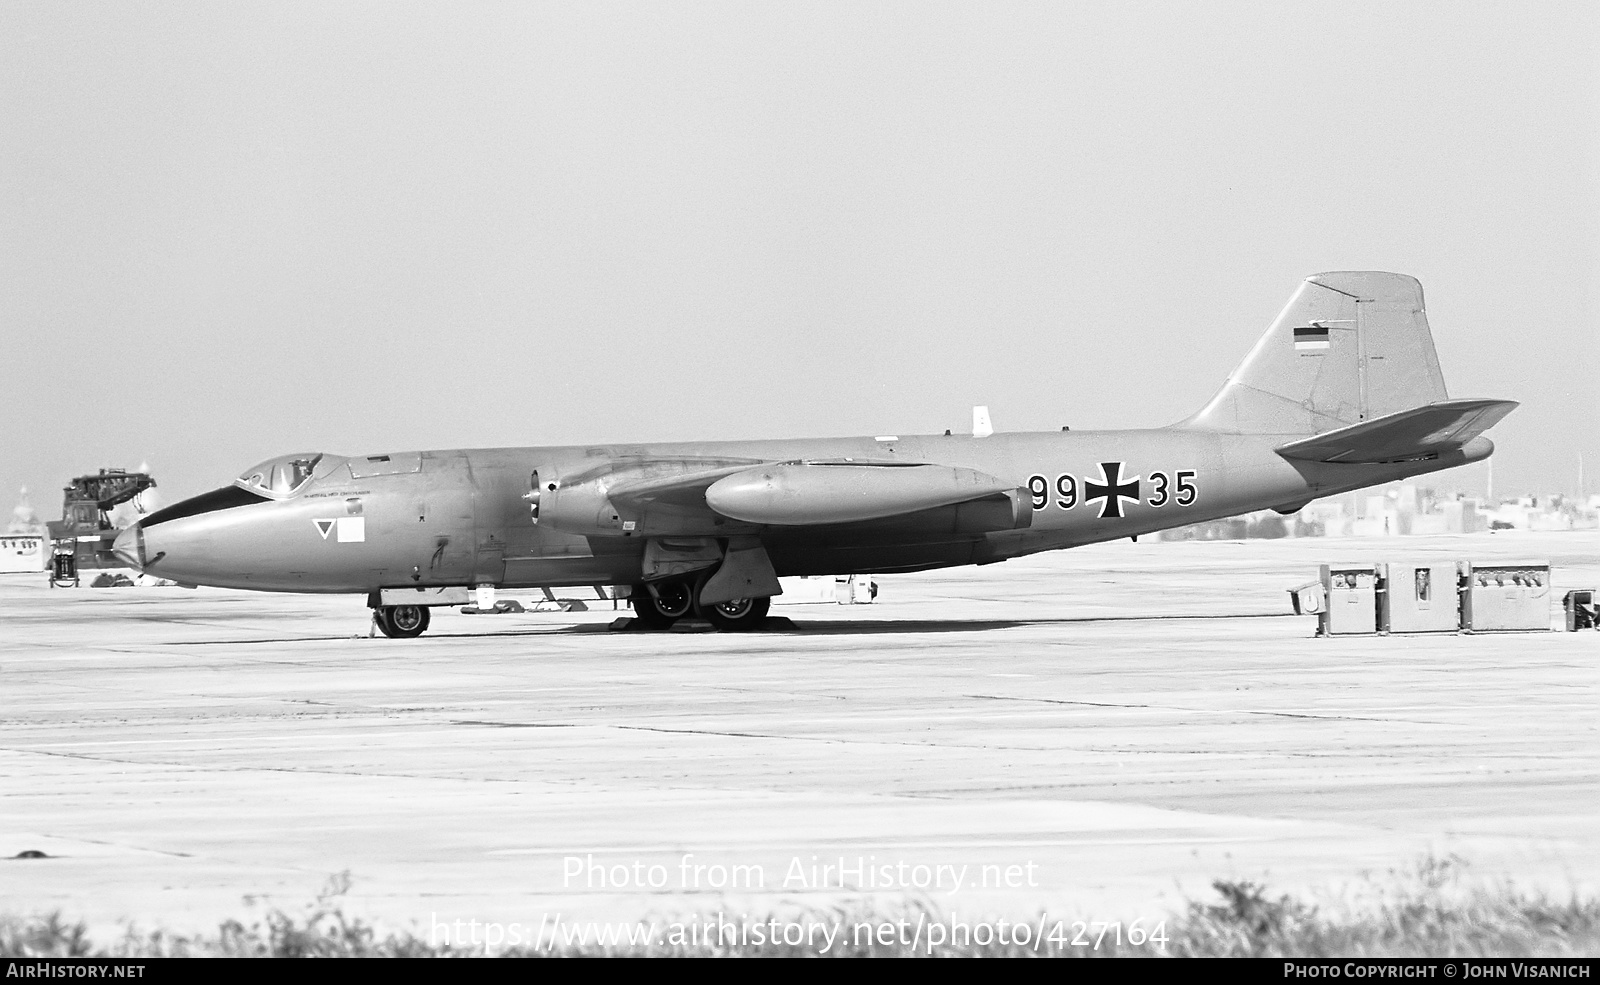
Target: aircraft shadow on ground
<point x="779" y="626"/>
<point x="847" y="627"/>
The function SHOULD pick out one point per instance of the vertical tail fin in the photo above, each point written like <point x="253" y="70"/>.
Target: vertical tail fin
<point x="1348" y="347"/>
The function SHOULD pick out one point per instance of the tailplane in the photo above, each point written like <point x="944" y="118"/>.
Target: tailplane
<point x="1422" y="432"/>
<point x="1350" y="347"/>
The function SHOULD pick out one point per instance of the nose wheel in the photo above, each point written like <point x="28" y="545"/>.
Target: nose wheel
<point x="401" y="622"/>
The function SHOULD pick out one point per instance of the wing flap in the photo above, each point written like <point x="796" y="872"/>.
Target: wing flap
<point x="1421" y="431"/>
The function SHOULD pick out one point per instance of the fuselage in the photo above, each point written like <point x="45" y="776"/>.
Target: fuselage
<point x="467" y="517"/>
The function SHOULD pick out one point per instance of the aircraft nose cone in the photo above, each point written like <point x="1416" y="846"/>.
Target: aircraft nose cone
<point x="129" y="546"/>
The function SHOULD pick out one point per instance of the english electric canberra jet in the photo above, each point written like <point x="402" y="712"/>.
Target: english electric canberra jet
<point x="1343" y="391"/>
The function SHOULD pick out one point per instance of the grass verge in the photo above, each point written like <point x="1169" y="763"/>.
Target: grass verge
<point x="1428" y="912"/>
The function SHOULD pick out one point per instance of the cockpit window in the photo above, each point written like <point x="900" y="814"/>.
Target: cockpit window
<point x="281" y="476"/>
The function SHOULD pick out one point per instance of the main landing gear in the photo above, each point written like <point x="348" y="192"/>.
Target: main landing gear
<point x="401" y="622"/>
<point x="661" y="604"/>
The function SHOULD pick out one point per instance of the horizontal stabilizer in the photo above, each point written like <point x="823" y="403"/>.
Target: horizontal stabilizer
<point x="1427" y="430"/>
<point x="805" y="493"/>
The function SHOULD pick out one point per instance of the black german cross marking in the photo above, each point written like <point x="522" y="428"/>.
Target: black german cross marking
<point x="1110" y="490"/>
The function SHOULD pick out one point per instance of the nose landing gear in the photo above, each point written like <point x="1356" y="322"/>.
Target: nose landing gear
<point x="401" y="622"/>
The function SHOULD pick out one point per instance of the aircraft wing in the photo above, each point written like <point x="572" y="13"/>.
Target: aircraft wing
<point x="807" y="492"/>
<point x="1430" y="429"/>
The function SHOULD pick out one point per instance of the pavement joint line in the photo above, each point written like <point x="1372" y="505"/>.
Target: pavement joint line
<point x="312" y="771"/>
<point x="516" y="724"/>
<point x="786" y="692"/>
<point x="733" y="735"/>
<point x="113" y="844"/>
<point x="1212" y="711"/>
<point x="104" y="759"/>
<point x="834" y="740"/>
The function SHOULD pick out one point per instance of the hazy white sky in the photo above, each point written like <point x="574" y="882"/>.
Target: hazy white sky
<point x="229" y="231"/>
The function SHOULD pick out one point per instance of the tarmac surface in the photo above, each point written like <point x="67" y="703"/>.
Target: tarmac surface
<point x="1097" y="733"/>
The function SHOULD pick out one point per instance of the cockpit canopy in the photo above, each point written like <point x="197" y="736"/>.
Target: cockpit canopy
<point x="280" y="477"/>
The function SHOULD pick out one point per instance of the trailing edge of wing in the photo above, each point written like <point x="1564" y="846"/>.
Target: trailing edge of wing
<point x="1426" y="430"/>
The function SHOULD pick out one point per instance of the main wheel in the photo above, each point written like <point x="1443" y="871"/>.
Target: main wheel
<point x="402" y="622"/>
<point x="669" y="602"/>
<point x="737" y="616"/>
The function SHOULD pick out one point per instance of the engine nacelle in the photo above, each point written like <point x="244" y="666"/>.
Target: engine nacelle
<point x="580" y="508"/>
